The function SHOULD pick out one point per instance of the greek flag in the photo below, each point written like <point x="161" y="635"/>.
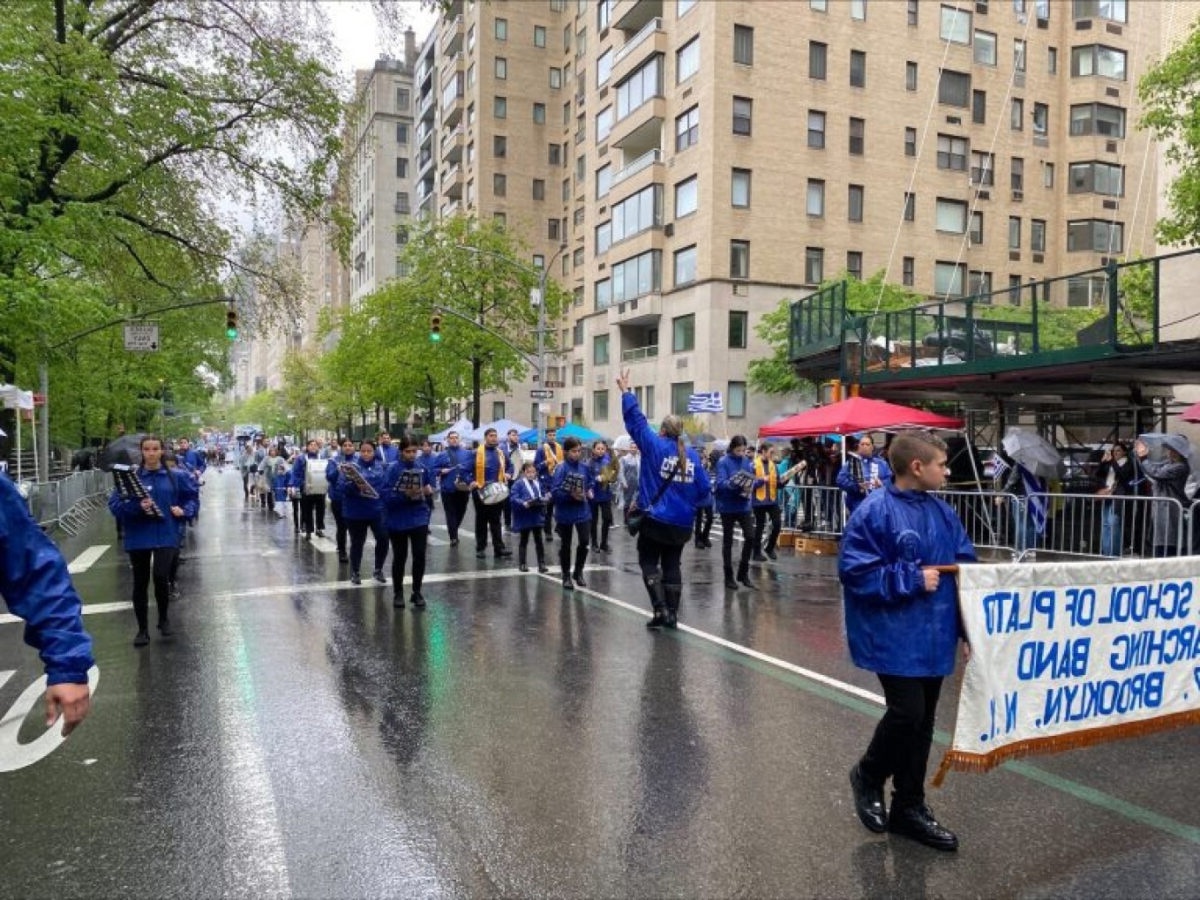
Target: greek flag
<point x="1035" y="495"/>
<point x="705" y="402"/>
<point x="999" y="466"/>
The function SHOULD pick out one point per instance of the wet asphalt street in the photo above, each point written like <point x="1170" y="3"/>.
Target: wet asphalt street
<point x="299" y="737"/>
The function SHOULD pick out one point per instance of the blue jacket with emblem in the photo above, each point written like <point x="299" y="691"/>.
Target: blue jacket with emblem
<point x="38" y="589"/>
<point x="568" y="510"/>
<point x="454" y="460"/>
<point x="144" y="531"/>
<point x="660" y="455"/>
<point x="873" y="467"/>
<point x="522" y="491"/>
<point x="731" y="499"/>
<point x="356" y="507"/>
<point x="333" y="477"/>
<point x="894" y="626"/>
<point x="403" y="512"/>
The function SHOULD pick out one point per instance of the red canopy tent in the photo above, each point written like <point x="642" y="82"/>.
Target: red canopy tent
<point x="856" y="414"/>
<point x="1191" y="414"/>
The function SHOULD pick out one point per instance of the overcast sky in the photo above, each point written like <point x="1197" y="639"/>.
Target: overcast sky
<point x="359" y="40"/>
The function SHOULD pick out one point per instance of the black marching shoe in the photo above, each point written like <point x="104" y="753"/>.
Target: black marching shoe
<point x="758" y="557"/>
<point x="918" y="823"/>
<point x="379" y="576"/>
<point x="320" y="533"/>
<point x="481" y="554"/>
<point x="398" y="600"/>
<point x="771" y="555"/>
<point x="343" y="558"/>
<point x="164" y="628"/>
<point x="868" y="803"/>
<point x="578" y="576"/>
<point x="745" y="581"/>
<point x="417" y="600"/>
<point x="141" y="639"/>
<point x="354" y="578"/>
<point x="453" y="542"/>
<point x="522" y="568"/>
<point x="659" y="619"/>
<point x="543" y="570"/>
<point x="503" y="552"/>
<point x="604" y="548"/>
<point x="568" y="585"/>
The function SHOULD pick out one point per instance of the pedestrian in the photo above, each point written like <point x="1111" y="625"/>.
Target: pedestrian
<point x="671" y="484"/>
<point x="309" y="475"/>
<point x="487" y="477"/>
<point x="630" y="474"/>
<point x="604" y="471"/>
<point x="548" y="458"/>
<point x="573" y="490"/>
<point x="735" y="484"/>
<point x="449" y="465"/>
<point x="529" y="515"/>
<point x="36" y="587"/>
<point x="246" y="467"/>
<point x="766" y="502"/>
<point x="1168" y="477"/>
<point x="407" y="485"/>
<point x="1115" y="475"/>
<point x="862" y="472"/>
<point x="362" y="508"/>
<point x="902" y="623"/>
<point x="516" y="462"/>
<point x="151" y="525"/>
<point x="704" y="512"/>
<point x="268" y="471"/>
<point x="335" y="485"/>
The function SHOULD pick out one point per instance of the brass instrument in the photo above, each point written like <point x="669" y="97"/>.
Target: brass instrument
<point x="550" y="457"/>
<point x="793" y="471"/>
<point x="609" y="473"/>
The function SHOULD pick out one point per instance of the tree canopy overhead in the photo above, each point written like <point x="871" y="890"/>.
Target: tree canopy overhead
<point x="1172" y="113"/>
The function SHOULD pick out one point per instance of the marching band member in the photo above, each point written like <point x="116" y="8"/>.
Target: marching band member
<point x="333" y="478"/>
<point x="547" y="458"/>
<point x="735" y="482"/>
<point x="605" y="470"/>
<point x="487" y="467"/>
<point x="766" y="502"/>
<point x="516" y="464"/>
<point x="407" y="486"/>
<point x="862" y="473"/>
<point x="573" y="491"/>
<point x="362" y="511"/>
<point x="312" y="489"/>
<point x="449" y="466"/>
<point x="529" y="515"/>
<point x="386" y="450"/>
<point x="704" y="512"/>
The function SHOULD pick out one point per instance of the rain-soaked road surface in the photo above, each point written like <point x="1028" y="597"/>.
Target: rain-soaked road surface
<point x="299" y="737"/>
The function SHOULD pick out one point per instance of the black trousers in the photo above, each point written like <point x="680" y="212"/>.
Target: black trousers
<point x="296" y="514"/>
<point x="900" y="747"/>
<point x="455" y="503"/>
<point x="580" y="530"/>
<point x="746" y="522"/>
<point x="704" y="520"/>
<point x="660" y="549"/>
<point x="312" y="507"/>
<point x="601" y="522"/>
<point x="487" y="518"/>
<point x="335" y="507"/>
<point x="358" y="541"/>
<point x="761" y="514"/>
<point x="155" y="562"/>
<point x="538" y="545"/>
<point x="418" y="539"/>
<point x="549" y="519"/>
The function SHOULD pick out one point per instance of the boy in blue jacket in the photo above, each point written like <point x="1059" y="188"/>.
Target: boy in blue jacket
<point x="902" y="623"/>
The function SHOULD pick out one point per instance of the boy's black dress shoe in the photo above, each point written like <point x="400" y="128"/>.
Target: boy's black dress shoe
<point x="868" y="803"/>
<point x="918" y="823"/>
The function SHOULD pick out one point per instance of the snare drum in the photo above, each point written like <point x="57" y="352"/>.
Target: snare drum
<point x="493" y="493"/>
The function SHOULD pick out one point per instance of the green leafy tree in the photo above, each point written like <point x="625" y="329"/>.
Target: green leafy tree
<point x="1171" y="107"/>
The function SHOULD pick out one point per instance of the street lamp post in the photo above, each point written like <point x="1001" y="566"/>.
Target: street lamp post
<point x="541" y="341"/>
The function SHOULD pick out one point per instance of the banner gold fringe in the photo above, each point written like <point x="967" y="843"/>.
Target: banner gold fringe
<point x="984" y="762"/>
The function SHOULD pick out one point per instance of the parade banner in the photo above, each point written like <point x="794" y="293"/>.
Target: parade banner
<point x="1066" y="655"/>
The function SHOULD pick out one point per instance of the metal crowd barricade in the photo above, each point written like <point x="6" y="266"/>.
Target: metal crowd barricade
<point x="69" y="502"/>
<point x="985" y="515"/>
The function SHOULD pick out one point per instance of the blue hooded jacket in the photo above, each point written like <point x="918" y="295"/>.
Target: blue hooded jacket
<point x="567" y="510"/>
<point x="452" y="459"/>
<point x="854" y="493"/>
<point x="660" y="456"/>
<point x="37" y="588"/>
<point x="333" y="478"/>
<point x="521" y="492"/>
<point x="166" y="489"/>
<point x="356" y="507"/>
<point x="404" y="513"/>
<point x="732" y="500"/>
<point x="893" y="625"/>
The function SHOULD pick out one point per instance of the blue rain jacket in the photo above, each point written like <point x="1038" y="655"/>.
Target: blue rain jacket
<point x="521" y="491"/>
<point x="568" y="511"/>
<point x="872" y="467"/>
<point x="731" y="499"/>
<point x="333" y="478"/>
<point x="356" y="507"/>
<point x="690" y="487"/>
<point x="602" y="492"/>
<point x="455" y="461"/>
<point x="893" y="625"/>
<point x="37" y="587"/>
<point x="167" y="489"/>
<point x="402" y="512"/>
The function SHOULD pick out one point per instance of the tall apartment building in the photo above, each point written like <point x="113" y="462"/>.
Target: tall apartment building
<point x="703" y="161"/>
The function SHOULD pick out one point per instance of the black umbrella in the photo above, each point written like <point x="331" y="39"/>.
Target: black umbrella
<point x="124" y="451"/>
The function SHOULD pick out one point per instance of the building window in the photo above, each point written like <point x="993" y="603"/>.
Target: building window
<point x="743" y="45"/>
<point x="735" y="396"/>
<point x="1098" y="118"/>
<point x="1096" y="59"/>
<point x="603" y="180"/>
<point x="1112" y="10"/>
<point x="855" y="203"/>
<point x="858" y="128"/>
<point x="983" y="168"/>
<point x="740" y="189"/>
<point x="401" y="167"/>
<point x="637" y="213"/>
<point x="603" y="13"/>
<point x="637" y="276"/>
<point x="816" y="129"/>
<point x="1047" y="174"/>
<point x="1095" y="235"/>
<point x="854" y="264"/>
<point x="913" y="14"/>
<point x="497" y="410"/>
<point x="954" y="88"/>
<point x="910" y="207"/>
<point x="600" y="350"/>
<point x="815" y="205"/>
<point x="858" y="10"/>
<point x="600" y="406"/>
<point x="814" y="265"/>
<point x="1014" y="232"/>
<point x="500" y="107"/>
<point x="910" y="142"/>
<point x="952" y="153"/>
<point x="980" y="285"/>
<point x="603" y="294"/>
<point x="401" y="133"/>
<point x="955" y="26"/>
<point x="681" y="393"/>
<point x="910" y="76"/>
<point x="683" y="6"/>
<point x="739" y="259"/>
<point x="603" y="68"/>
<point x="686" y="197"/>
<point x="687" y="129"/>
<point x="948" y="278"/>
<point x="1017" y="175"/>
<point x="604" y="123"/>
<point x="1087" y="291"/>
<point x="979" y="107"/>
<point x="739" y="329"/>
<point x="1016" y="118"/>
<point x="501" y="68"/>
<point x="685" y="266"/>
<point x="951" y="216"/>
<point x="539" y="189"/>
<point x="554" y="154"/>
<point x="1014" y="290"/>
<point x="976" y="229"/>
<point x="539" y="116"/>
<point x="985" y="48"/>
<point x="403" y="99"/>
<point x="502" y="29"/>
<point x="1052" y="60"/>
<point x="640" y="87"/>
<point x="1096" y="178"/>
<point x="555" y="78"/>
<point x="858" y="68"/>
<point x="603" y="237"/>
<point x="816" y="60"/>
<point x="683" y="334"/>
<point x="1018" y="55"/>
<point x="909" y="268"/>
<point x="499" y="145"/>
<point x="1041" y="118"/>
<point x="499" y="184"/>
<point x="687" y="60"/>
<point x="539" y="36"/>
<point x="743" y="109"/>
<point x="1037" y="235"/>
<point x="577" y="373"/>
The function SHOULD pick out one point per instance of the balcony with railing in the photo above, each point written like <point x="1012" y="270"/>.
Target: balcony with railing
<point x="650" y="158"/>
<point x="640" y="354"/>
<point x="631" y="15"/>
<point x="644" y="310"/>
<point x="452" y="36"/>
<point x="452" y="143"/>
<point x="452" y="182"/>
<point x="654" y="26"/>
<point x="453" y="208"/>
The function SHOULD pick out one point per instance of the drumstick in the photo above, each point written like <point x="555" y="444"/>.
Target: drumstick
<point x="945" y="570"/>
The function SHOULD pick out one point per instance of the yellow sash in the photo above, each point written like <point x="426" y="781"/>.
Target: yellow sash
<point x="480" y="459"/>
<point x="551" y="457"/>
<point x="765" y="491"/>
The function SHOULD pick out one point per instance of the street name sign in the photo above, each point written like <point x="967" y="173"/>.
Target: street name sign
<point x="141" y="336"/>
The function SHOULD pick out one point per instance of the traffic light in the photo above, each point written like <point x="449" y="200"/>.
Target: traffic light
<point x="231" y="325"/>
<point x="435" y="329"/>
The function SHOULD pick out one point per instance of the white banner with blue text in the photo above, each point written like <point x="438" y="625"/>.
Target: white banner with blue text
<point x="1068" y="654"/>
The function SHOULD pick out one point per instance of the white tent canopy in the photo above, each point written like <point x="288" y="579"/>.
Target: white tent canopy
<point x="12" y="397"/>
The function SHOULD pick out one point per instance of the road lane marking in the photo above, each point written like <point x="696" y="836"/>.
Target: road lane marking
<point x="88" y="609"/>
<point x="87" y="558"/>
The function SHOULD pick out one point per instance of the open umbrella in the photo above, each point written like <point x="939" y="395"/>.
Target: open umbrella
<point x="1034" y="452"/>
<point x="1176" y="442"/>
<point x="1191" y="414"/>
<point x="124" y="451"/>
